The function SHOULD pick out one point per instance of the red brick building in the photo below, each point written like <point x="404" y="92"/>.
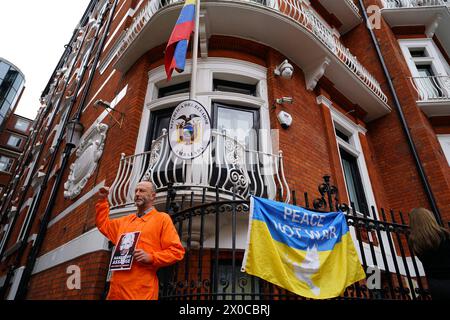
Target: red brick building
<point x="13" y="139"/>
<point x="369" y="106"/>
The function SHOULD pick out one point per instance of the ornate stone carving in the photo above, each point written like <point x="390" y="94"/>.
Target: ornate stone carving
<point x="88" y="154"/>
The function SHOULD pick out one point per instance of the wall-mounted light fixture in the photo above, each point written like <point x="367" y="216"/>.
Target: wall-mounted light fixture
<point x="284" y="100"/>
<point x="108" y="108"/>
<point x="284" y="69"/>
<point x="74" y="130"/>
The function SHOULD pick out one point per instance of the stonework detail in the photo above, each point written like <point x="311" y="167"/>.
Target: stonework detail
<point x="88" y="154"/>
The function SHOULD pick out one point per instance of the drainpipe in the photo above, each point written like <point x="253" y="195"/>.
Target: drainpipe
<point x="420" y="169"/>
<point x="23" y="245"/>
<point x="31" y="261"/>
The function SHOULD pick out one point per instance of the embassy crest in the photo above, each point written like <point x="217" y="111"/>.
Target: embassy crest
<point x="189" y="130"/>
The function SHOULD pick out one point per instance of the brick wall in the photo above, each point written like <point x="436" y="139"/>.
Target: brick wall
<point x="52" y="283"/>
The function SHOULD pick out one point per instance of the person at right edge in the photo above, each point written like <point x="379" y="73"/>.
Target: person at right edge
<point x="158" y="246"/>
<point x="431" y="244"/>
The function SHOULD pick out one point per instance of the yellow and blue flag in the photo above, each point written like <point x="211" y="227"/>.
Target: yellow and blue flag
<point x="308" y="253"/>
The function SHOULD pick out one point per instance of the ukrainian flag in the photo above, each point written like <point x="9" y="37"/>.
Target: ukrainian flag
<point x="176" y="49"/>
<point x="311" y="254"/>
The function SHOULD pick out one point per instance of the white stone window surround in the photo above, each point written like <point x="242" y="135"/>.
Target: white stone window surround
<point x="444" y="140"/>
<point x="209" y="69"/>
<point x="6" y="230"/>
<point x="354" y="148"/>
<point x="433" y="58"/>
<point x="27" y="219"/>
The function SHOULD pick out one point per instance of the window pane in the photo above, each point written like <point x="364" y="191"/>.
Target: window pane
<point x="18" y="82"/>
<point x="237" y="87"/>
<point x="175" y="89"/>
<point x="11" y="95"/>
<point x="425" y="70"/>
<point x="6" y="163"/>
<point x="21" y="125"/>
<point x="14" y="141"/>
<point x="342" y="135"/>
<point x="418" y="52"/>
<point x="3" y="70"/>
<point x="238" y="123"/>
<point x="354" y="183"/>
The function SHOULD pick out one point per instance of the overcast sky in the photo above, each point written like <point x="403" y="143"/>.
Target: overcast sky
<point x="32" y="37"/>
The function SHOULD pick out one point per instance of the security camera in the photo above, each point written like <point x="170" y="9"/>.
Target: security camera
<point x="285" y="69"/>
<point x="285" y="119"/>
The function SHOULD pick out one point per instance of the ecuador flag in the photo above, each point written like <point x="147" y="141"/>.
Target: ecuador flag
<point x="311" y="254"/>
<point x="175" y="57"/>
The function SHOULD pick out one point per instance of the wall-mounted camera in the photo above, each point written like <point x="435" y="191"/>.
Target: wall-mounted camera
<point x="285" y="70"/>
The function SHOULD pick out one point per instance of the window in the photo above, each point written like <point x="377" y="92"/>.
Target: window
<point x="353" y="181"/>
<point x="444" y="140"/>
<point x="236" y="87"/>
<point x="429" y="70"/>
<point x="6" y="163"/>
<point x="238" y="122"/>
<point x="3" y="70"/>
<point x="429" y="85"/>
<point x="7" y="83"/>
<point x="159" y="121"/>
<point x="3" y="235"/>
<point x="14" y="141"/>
<point x="418" y="52"/>
<point x="21" y="125"/>
<point x="233" y="94"/>
<point x="175" y="89"/>
<point x="342" y="135"/>
<point x="354" y="168"/>
<point x="27" y="220"/>
<point x="425" y="70"/>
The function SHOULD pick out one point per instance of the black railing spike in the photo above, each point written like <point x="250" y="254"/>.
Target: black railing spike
<point x="280" y="195"/>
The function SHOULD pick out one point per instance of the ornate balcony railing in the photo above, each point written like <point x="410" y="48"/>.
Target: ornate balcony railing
<point x="390" y="4"/>
<point x="352" y="5"/>
<point x="294" y="9"/>
<point x="226" y="165"/>
<point x="435" y="88"/>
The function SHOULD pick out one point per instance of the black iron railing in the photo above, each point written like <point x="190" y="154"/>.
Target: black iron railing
<point x="214" y="234"/>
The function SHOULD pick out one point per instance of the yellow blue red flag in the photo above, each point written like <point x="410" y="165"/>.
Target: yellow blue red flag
<point x="308" y="253"/>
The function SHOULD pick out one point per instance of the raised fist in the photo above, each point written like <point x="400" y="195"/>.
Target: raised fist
<point x="103" y="193"/>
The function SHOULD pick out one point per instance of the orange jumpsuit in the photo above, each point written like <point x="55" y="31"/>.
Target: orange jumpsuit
<point x="158" y="238"/>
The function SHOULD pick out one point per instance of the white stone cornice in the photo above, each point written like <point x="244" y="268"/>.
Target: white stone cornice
<point x="325" y="101"/>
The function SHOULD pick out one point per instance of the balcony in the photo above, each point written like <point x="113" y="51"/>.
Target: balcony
<point x="389" y="4"/>
<point x="295" y="30"/>
<point x="433" y="14"/>
<point x="226" y="169"/>
<point x="433" y="94"/>
<point x="346" y="11"/>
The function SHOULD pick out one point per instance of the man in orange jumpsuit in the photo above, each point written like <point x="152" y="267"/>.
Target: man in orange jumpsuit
<point x="158" y="245"/>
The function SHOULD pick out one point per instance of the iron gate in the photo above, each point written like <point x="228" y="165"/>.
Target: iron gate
<point x="213" y="230"/>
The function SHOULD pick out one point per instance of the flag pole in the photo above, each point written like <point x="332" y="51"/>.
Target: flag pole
<point x="193" y="90"/>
